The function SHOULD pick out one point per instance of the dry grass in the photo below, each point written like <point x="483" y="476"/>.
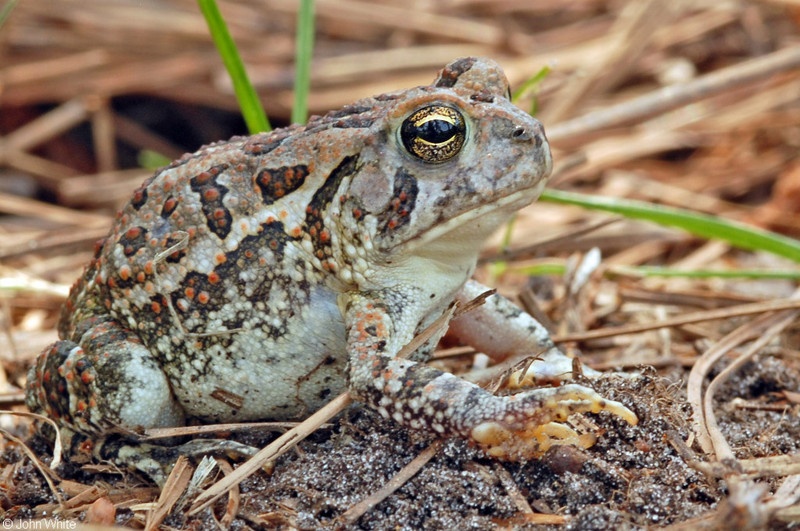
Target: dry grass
<point x="86" y="85"/>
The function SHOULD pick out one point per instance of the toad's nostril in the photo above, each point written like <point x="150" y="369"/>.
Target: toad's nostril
<point x="521" y="134"/>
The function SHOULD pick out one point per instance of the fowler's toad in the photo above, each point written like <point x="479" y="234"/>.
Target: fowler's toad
<point x="259" y="277"/>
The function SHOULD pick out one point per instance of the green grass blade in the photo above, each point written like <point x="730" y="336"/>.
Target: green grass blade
<point x="541" y="269"/>
<point x="703" y="225"/>
<point x="5" y="12"/>
<point x="655" y="271"/>
<point x="302" y="66"/>
<point x="252" y="111"/>
<point x="152" y="160"/>
<point x="558" y="268"/>
<point x="531" y="85"/>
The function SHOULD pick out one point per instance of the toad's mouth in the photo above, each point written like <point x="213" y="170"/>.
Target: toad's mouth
<point x="469" y="229"/>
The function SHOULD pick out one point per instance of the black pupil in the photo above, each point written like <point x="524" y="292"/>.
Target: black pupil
<point x="436" y="131"/>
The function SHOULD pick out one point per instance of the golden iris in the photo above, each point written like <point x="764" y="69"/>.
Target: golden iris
<point x="434" y="134"/>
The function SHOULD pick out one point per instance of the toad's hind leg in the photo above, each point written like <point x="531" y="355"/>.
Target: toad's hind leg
<point x="107" y="380"/>
<point x="156" y="461"/>
<point x="105" y="390"/>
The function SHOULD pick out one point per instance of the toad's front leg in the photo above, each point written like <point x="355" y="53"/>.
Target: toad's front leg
<point x="421" y="397"/>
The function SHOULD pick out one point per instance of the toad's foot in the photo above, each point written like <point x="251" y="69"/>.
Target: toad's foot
<point x="526" y="429"/>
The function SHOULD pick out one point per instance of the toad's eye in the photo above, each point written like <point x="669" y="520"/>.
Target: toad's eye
<point x="434" y="134"/>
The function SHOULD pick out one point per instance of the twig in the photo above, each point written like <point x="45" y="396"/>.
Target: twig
<point x="45" y="470"/>
<point x="274" y="450"/>
<point x="57" y="445"/>
<point x="234" y="499"/>
<point x="698" y="373"/>
<point x="696" y="317"/>
<point x="14" y="204"/>
<point x="45" y="127"/>
<point x="694" y="387"/>
<point x="349" y="517"/>
<point x="513" y="491"/>
<point x="722" y="449"/>
<point x="786" y="496"/>
<point x="173" y="489"/>
<point x="399" y="17"/>
<point x="540" y="246"/>
<point x="182" y="431"/>
<point x="632" y="29"/>
<point x="673" y="96"/>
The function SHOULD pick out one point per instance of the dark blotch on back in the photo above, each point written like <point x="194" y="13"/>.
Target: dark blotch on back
<point x="351" y="116"/>
<point x="132" y="240"/>
<point x="169" y="206"/>
<point x="323" y="197"/>
<point x="403" y="201"/>
<point x="275" y="183"/>
<point x="175" y="256"/>
<point x="347" y="110"/>
<point x="271" y="236"/>
<point x="263" y="143"/>
<point x="450" y="74"/>
<point x="194" y="284"/>
<point x="211" y="193"/>
<point x="315" y="211"/>
<point x="139" y="198"/>
<point x="354" y="122"/>
<point x="327" y="191"/>
<point x="484" y="96"/>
